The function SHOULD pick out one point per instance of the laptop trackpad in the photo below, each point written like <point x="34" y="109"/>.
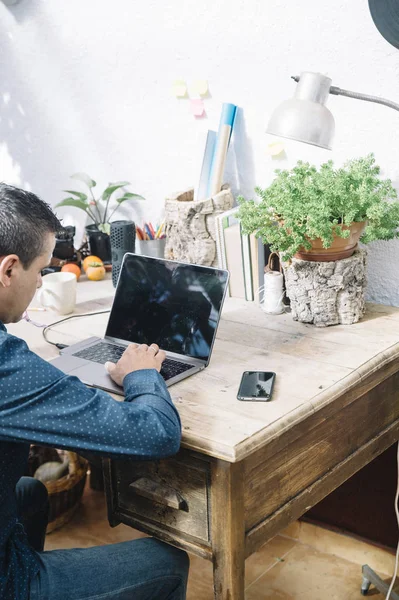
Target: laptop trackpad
<point x="96" y="375"/>
<point x="90" y="373"/>
<point x="68" y="363"/>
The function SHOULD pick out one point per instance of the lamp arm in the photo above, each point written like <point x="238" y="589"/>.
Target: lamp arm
<point x="340" y="92"/>
<point x="358" y="96"/>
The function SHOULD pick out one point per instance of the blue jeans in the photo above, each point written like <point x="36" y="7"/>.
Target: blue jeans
<point x="33" y="508"/>
<point x="144" y="569"/>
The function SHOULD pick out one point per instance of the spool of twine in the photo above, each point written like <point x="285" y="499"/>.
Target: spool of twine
<point x="273" y="293"/>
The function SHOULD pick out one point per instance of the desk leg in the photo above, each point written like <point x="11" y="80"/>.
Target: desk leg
<point x="228" y="530"/>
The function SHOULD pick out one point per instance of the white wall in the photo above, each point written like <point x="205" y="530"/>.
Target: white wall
<point x="86" y="86"/>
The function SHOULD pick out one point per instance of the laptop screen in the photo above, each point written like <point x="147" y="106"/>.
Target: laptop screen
<point x="174" y="305"/>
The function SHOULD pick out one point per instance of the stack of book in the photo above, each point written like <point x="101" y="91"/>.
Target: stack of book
<point x="245" y="256"/>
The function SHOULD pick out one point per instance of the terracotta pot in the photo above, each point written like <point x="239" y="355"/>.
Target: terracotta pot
<point x="340" y="248"/>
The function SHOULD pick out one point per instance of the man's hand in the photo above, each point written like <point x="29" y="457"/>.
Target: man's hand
<point x="134" y="358"/>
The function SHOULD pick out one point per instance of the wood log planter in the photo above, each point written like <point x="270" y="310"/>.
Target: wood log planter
<point x="190" y="226"/>
<point x="327" y="293"/>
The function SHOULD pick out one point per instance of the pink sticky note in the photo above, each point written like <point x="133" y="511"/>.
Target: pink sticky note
<point x="197" y="107"/>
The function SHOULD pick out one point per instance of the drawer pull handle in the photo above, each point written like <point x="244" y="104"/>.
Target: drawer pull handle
<point x="157" y="492"/>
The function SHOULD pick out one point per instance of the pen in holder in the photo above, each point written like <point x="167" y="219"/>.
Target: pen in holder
<point x="155" y="248"/>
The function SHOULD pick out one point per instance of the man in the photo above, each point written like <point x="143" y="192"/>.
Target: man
<point x="39" y="404"/>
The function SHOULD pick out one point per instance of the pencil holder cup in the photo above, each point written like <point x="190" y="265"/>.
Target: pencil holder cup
<point x="155" y="248"/>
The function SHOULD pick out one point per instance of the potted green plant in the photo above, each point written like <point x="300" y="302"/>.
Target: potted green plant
<point x="99" y="210"/>
<point x="321" y="213"/>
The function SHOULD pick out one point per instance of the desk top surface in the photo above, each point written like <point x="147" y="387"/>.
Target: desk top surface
<point x="314" y="366"/>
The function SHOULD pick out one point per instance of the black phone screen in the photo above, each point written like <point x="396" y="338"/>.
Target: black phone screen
<point x="256" y="386"/>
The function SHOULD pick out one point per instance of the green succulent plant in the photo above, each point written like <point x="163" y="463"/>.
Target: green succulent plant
<point x="307" y="202"/>
<point x="98" y="208"/>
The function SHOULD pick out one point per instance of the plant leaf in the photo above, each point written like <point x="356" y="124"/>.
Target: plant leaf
<point x="73" y="202"/>
<point x="105" y="228"/>
<point x="112" y="188"/>
<point x="129" y="196"/>
<point x="85" y="179"/>
<point x="79" y="195"/>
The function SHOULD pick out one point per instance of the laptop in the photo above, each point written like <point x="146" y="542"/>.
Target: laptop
<point x="175" y="305"/>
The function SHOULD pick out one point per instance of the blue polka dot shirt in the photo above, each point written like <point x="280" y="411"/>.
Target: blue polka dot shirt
<point x="39" y="404"/>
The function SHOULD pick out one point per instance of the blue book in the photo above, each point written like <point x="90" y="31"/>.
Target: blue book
<point x="206" y="165"/>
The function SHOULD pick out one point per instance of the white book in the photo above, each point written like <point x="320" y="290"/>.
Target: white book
<point x="257" y="266"/>
<point x="220" y="247"/>
<point x="232" y="237"/>
<point x="234" y="254"/>
<point x="246" y="265"/>
<point x="222" y="221"/>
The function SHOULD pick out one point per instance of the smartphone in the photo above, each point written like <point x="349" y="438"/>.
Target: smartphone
<point x="256" y="386"/>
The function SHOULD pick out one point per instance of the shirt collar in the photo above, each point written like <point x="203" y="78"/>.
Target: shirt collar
<point x="2" y="327"/>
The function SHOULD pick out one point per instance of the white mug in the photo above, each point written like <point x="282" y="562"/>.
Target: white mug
<point x="58" y="292"/>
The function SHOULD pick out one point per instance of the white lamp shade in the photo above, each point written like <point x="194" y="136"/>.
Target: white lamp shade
<point x="305" y="118"/>
<point x="303" y="121"/>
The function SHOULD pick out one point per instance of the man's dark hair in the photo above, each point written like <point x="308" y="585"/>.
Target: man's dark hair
<point x="24" y="222"/>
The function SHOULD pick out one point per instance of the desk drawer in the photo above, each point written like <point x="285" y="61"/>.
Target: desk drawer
<point x="173" y="493"/>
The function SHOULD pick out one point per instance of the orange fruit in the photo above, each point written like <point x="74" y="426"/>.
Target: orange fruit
<point x="95" y="271"/>
<point x="90" y="259"/>
<point x="72" y="268"/>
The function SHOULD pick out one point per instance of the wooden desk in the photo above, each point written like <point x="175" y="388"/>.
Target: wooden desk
<point x="246" y="470"/>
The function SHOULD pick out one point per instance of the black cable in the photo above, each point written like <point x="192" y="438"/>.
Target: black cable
<point x="48" y="327"/>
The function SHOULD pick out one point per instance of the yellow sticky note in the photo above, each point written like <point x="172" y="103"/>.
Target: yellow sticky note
<point x="179" y="88"/>
<point x="201" y="87"/>
<point x="275" y="148"/>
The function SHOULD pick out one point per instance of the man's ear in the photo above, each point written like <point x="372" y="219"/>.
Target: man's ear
<point x="7" y="265"/>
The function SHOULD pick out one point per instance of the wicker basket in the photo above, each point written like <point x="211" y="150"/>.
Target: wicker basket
<point x="65" y="493"/>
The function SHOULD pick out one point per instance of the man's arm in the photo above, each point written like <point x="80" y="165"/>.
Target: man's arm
<point x="40" y="404"/>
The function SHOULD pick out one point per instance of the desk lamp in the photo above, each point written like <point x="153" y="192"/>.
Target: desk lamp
<point x="306" y="118"/>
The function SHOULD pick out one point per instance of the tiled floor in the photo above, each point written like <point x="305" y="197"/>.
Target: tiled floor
<point x="305" y="563"/>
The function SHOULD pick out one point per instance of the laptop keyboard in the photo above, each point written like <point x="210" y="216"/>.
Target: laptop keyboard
<point x="103" y="352"/>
